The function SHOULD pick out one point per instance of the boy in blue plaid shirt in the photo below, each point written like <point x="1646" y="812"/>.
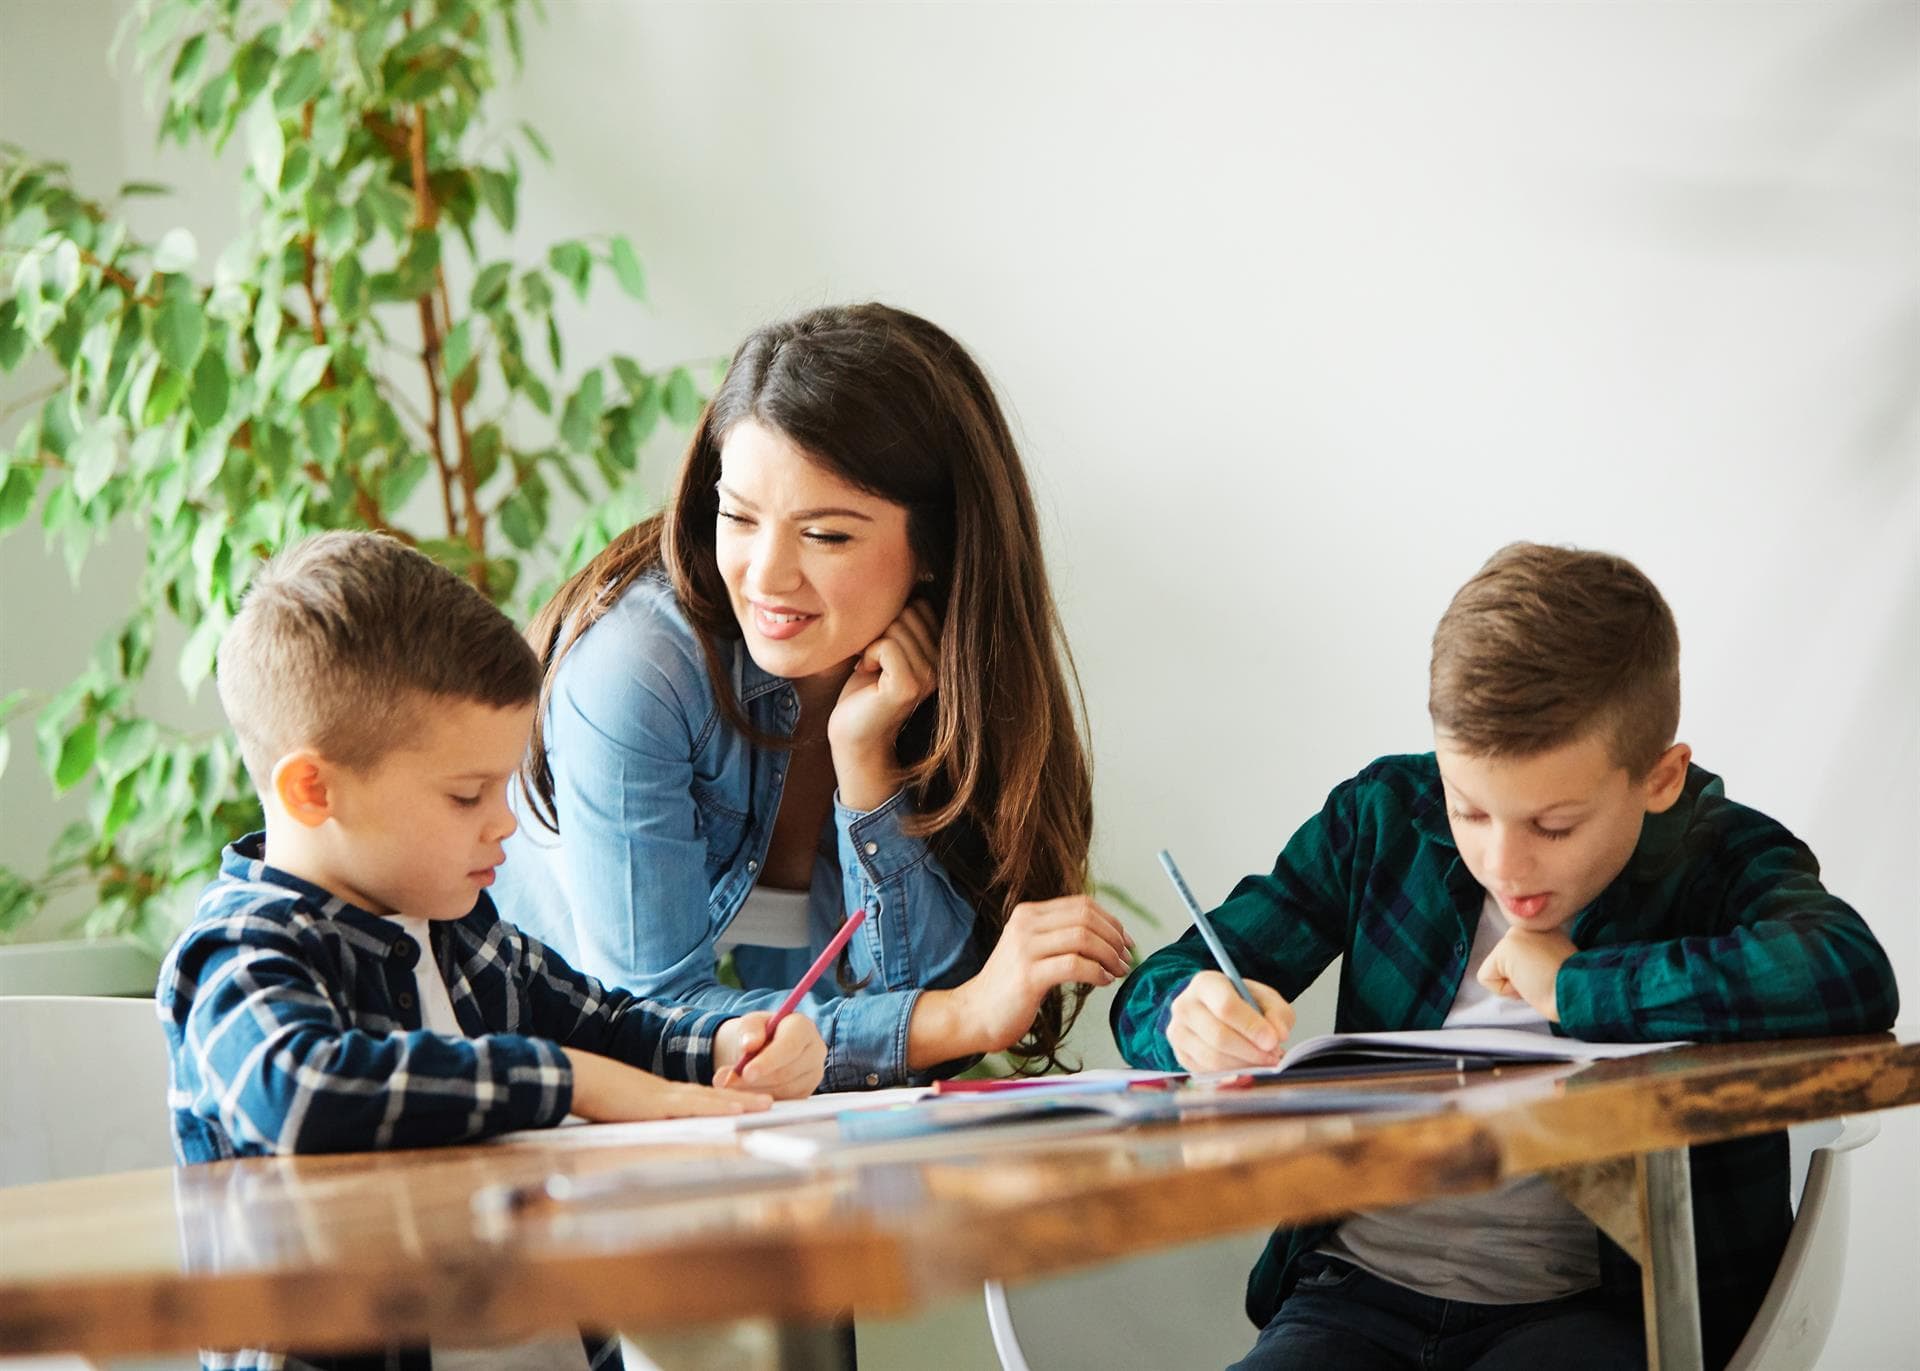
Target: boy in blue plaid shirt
<point x="1557" y="864"/>
<point x="346" y="983"/>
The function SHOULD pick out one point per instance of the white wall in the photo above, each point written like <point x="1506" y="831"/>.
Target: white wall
<point x="1302" y="311"/>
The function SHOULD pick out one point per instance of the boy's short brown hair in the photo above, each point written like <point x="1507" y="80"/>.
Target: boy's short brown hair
<point x="1545" y="645"/>
<point x="339" y="639"/>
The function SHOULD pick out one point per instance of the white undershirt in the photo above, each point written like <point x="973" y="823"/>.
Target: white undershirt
<point x="559" y="1351"/>
<point x="768" y="918"/>
<point x="1521" y="1242"/>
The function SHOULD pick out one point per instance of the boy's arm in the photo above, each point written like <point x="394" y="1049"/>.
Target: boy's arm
<point x="280" y="1070"/>
<point x="674" y="1041"/>
<point x="1281" y="930"/>
<point x="1792" y="959"/>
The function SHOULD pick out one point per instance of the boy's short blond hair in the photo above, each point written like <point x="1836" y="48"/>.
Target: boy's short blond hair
<point x="344" y="638"/>
<point x="1546" y="645"/>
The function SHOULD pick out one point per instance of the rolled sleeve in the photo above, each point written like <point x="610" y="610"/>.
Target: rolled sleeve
<point x="920" y="927"/>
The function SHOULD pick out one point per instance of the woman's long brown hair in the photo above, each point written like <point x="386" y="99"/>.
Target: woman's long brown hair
<point x="996" y="762"/>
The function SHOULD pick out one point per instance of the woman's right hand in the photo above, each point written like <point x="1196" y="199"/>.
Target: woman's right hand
<point x="1046" y="943"/>
<point x="1212" y="1029"/>
<point x="609" y="1091"/>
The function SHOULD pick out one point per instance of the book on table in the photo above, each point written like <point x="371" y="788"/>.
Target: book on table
<point x="980" y="1115"/>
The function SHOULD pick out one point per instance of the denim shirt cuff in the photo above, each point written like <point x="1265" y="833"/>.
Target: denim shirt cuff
<point x="868" y="1046"/>
<point x="879" y="838"/>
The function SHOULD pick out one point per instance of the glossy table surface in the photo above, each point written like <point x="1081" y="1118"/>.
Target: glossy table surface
<point x="351" y="1251"/>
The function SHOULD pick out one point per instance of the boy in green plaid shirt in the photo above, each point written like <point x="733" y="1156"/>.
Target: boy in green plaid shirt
<point x="1556" y="864"/>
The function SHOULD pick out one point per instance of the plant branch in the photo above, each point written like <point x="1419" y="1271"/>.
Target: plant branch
<point x="425" y="214"/>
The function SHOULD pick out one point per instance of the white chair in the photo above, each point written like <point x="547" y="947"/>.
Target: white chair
<point x="1083" y="1320"/>
<point x="83" y="1091"/>
<point x="1795" y="1318"/>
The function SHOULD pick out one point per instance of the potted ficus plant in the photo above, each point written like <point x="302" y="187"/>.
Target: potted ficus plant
<point x="355" y="357"/>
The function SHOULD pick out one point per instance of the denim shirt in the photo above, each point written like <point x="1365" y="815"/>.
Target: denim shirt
<point x="666" y="811"/>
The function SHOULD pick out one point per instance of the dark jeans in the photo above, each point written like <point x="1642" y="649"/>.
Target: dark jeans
<point x="1340" y="1318"/>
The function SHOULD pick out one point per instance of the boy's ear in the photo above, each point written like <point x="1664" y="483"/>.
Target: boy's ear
<point x="1668" y="778"/>
<point x="301" y="784"/>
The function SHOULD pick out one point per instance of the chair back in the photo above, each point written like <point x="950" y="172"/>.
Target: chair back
<point x="83" y="1087"/>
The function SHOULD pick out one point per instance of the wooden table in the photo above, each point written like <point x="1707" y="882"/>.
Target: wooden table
<point x="340" y="1252"/>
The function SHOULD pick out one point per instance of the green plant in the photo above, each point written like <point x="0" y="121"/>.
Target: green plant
<point x="324" y="373"/>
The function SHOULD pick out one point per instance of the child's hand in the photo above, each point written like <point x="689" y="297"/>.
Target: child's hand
<point x="1213" y="1029"/>
<point x="788" y="1068"/>
<point x="607" y="1091"/>
<point x="1525" y="965"/>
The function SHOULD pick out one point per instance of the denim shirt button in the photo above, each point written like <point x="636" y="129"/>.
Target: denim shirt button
<point x="752" y="866"/>
<point x="871" y="849"/>
<point x="873" y="1078"/>
<point x="1459" y="949"/>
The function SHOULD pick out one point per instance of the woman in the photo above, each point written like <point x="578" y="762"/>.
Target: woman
<point x="829" y="677"/>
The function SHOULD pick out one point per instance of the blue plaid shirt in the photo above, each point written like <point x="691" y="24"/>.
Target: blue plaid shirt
<point x="293" y="1024"/>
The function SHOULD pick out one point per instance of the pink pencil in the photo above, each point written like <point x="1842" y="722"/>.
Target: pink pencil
<point x="799" y="992"/>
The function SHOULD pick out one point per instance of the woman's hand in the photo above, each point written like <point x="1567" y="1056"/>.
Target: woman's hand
<point x="609" y="1091"/>
<point x="788" y="1068"/>
<point x="1046" y="943"/>
<point x="1212" y="1029"/>
<point x="892" y="677"/>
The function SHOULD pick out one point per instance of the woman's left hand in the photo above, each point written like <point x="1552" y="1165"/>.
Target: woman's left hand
<point x="892" y="678"/>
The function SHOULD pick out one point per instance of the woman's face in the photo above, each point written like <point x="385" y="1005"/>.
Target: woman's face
<point x="816" y="568"/>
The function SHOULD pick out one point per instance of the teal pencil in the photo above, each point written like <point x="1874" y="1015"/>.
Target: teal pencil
<point x="1201" y="922"/>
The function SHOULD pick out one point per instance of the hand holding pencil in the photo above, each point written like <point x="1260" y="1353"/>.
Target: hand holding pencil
<point x="1222" y="1022"/>
<point x="779" y="1052"/>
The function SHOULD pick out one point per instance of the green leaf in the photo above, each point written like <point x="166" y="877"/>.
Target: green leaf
<point x="305" y="373"/>
<point x="6" y="746"/>
<point x="457" y="351"/>
<point x="350" y="290"/>
<point x="128" y="744"/>
<point x="574" y="262"/>
<point x="252" y="68"/>
<point x="16" y="492"/>
<point x="498" y="192"/>
<point x="266" y="145"/>
<point x="177" y="251"/>
<point x="63" y="270"/>
<point x="179" y="328"/>
<point x="490" y="286"/>
<point x="401" y="478"/>
<point x="133" y="189"/>
<point x="682" y="398"/>
<point x="626" y="268"/>
<point x="93" y="457"/>
<point x="13" y="338"/>
<point x="75" y="756"/>
<point x="536" y="142"/>
<point x="521" y="521"/>
<point x="196" y="658"/>
<point x="580" y="423"/>
<point x="632" y="376"/>
<point x="299" y="80"/>
<point x="186" y="67"/>
<point x="165" y="398"/>
<point x="209" y="396"/>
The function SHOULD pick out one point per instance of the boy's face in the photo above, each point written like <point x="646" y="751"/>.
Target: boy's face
<point x="420" y="833"/>
<point x="1545" y="834"/>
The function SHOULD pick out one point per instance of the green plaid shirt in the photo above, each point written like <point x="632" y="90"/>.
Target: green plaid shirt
<point x="1717" y="929"/>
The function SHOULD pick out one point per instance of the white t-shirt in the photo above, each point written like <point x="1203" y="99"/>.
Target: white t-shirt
<point x="1521" y="1242"/>
<point x="558" y="1351"/>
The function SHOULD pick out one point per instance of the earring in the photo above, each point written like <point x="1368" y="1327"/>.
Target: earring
<point x="926" y="578"/>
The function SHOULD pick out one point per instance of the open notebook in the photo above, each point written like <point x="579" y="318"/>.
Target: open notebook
<point x="1437" y="1049"/>
<point x="993" y="1115"/>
